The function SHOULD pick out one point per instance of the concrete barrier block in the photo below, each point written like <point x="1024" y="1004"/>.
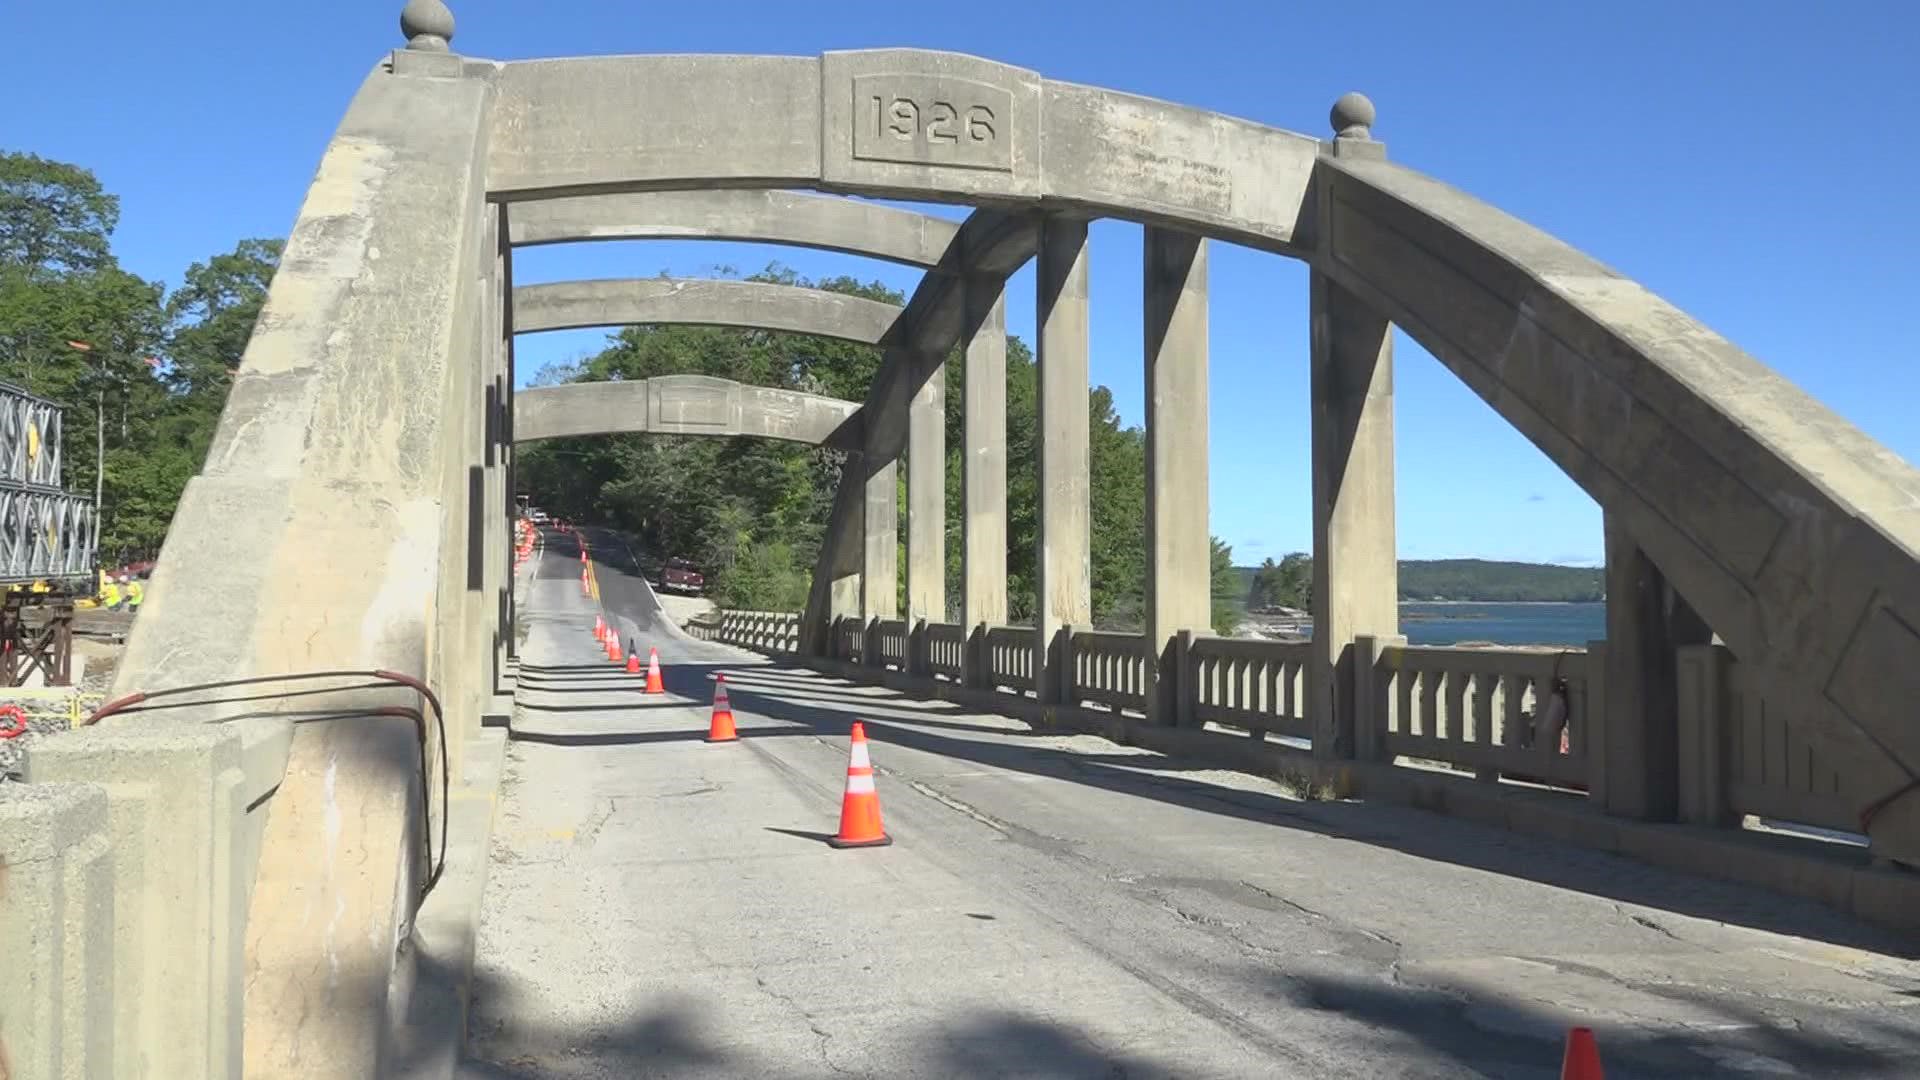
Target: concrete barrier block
<point x="1887" y="896"/>
<point x="56" y="932"/>
<point x="176" y="809"/>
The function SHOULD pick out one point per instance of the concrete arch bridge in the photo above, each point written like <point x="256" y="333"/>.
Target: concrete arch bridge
<point x="286" y="877"/>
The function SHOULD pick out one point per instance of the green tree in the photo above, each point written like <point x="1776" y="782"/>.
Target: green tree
<point x="1228" y="604"/>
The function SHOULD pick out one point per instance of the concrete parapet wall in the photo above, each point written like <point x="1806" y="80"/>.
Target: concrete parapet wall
<point x="57" y="989"/>
<point x="186" y="806"/>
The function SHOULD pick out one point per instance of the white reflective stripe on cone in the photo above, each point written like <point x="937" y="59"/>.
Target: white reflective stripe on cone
<point x="860" y="785"/>
<point x="860" y="759"/>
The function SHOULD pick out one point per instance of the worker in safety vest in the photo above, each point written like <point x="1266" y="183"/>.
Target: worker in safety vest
<point x="136" y="592"/>
<point x="109" y="593"/>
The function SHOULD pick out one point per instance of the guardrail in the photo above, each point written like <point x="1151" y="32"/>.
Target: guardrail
<point x="1494" y="711"/>
<point x="1533" y="715"/>
<point x="1109" y="668"/>
<point x="946" y="649"/>
<point x="1254" y="685"/>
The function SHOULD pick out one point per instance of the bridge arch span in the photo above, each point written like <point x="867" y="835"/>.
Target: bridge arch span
<point x="569" y="305"/>
<point x="677" y="405"/>
<point x="794" y="219"/>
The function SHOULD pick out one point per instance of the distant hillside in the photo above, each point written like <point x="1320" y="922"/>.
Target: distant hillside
<point x="1487" y="581"/>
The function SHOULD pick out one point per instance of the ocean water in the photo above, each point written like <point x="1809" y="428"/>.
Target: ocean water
<point x="1503" y="624"/>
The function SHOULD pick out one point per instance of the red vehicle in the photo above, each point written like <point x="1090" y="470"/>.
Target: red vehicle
<point x="678" y="575"/>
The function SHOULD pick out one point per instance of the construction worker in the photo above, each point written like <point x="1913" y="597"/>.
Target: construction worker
<point x="109" y="593"/>
<point x="136" y="592"/>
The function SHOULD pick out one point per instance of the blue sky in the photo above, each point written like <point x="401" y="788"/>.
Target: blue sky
<point x="1753" y="163"/>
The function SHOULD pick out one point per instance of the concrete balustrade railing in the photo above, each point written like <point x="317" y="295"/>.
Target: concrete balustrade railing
<point x="1253" y="685"/>
<point x="947" y="651"/>
<point x="1009" y="664"/>
<point x="1108" y="668"/>
<point x="1497" y="713"/>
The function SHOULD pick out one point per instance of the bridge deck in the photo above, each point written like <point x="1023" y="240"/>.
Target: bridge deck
<point x="1063" y="906"/>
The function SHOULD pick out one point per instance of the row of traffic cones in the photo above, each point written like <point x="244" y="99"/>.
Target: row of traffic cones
<point x="609" y="638"/>
<point x="860" y="824"/>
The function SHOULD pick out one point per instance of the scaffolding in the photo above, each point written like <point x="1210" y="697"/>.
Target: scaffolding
<point x="48" y="543"/>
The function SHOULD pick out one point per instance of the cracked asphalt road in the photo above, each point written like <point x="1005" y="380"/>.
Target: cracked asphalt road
<point x="1060" y="906"/>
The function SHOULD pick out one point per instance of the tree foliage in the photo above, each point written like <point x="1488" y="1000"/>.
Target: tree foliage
<point x="153" y="379"/>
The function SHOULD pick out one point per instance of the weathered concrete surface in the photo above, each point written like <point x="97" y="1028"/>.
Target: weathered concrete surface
<point x="57" y="988"/>
<point x="1179" y="549"/>
<point x="927" y="501"/>
<point x="1795" y="535"/>
<point x="826" y="222"/>
<point x="677" y="405"/>
<point x="1356" y="569"/>
<point x="1059" y="905"/>
<point x="983" y="465"/>
<point x="607" y="124"/>
<point x="570" y="305"/>
<point x="1062" y="572"/>
<point x="880" y="542"/>
<point x="342" y="462"/>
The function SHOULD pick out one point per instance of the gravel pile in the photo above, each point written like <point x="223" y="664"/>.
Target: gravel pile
<point x="13" y="750"/>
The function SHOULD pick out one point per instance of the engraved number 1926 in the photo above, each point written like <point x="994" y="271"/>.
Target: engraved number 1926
<point x="903" y="118"/>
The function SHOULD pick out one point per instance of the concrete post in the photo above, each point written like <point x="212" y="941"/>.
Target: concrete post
<point x="1062" y="570"/>
<point x="1355" y="569"/>
<point x="1179" y="551"/>
<point x="57" y="995"/>
<point x="503" y="334"/>
<point x="177" y="802"/>
<point x="1702" y="683"/>
<point x="1186" y="695"/>
<point x="879" y="577"/>
<point x="927" y="500"/>
<point x="983" y="460"/>
<point x="1647" y="623"/>
<point x="1369" y="711"/>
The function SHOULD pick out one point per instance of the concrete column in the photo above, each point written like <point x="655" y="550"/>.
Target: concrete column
<point x="927" y="500"/>
<point x="1062" y="574"/>
<point x="1647" y="624"/>
<point x="1356" y="574"/>
<point x="503" y="334"/>
<point x="1355" y="570"/>
<point x="879" y="577"/>
<point x="1179" y="551"/>
<point x="984" y="459"/>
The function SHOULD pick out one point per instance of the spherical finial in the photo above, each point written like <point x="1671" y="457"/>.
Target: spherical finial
<point x="1353" y="117"/>
<point x="428" y="25"/>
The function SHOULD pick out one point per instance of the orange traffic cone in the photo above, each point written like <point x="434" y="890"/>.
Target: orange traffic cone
<point x="633" y="660"/>
<point x="654" y="683"/>
<point x="721" y="727"/>
<point x="613" y="649"/>
<point x="1582" y="1060"/>
<point x="599" y="627"/>
<point x="860" y="807"/>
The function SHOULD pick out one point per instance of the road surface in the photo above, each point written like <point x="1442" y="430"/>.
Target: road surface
<point x="1059" y="906"/>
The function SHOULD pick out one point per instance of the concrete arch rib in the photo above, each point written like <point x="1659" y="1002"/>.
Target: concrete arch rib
<point x="677" y="405"/>
<point x="569" y="305"/>
<point x="949" y="128"/>
<point x="826" y="222"/>
<point x="1791" y="531"/>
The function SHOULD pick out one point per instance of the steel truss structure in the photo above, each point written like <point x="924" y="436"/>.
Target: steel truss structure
<point x="46" y="536"/>
<point x="30" y="439"/>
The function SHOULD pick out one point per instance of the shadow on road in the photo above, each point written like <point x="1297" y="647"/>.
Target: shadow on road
<point x="762" y="688"/>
